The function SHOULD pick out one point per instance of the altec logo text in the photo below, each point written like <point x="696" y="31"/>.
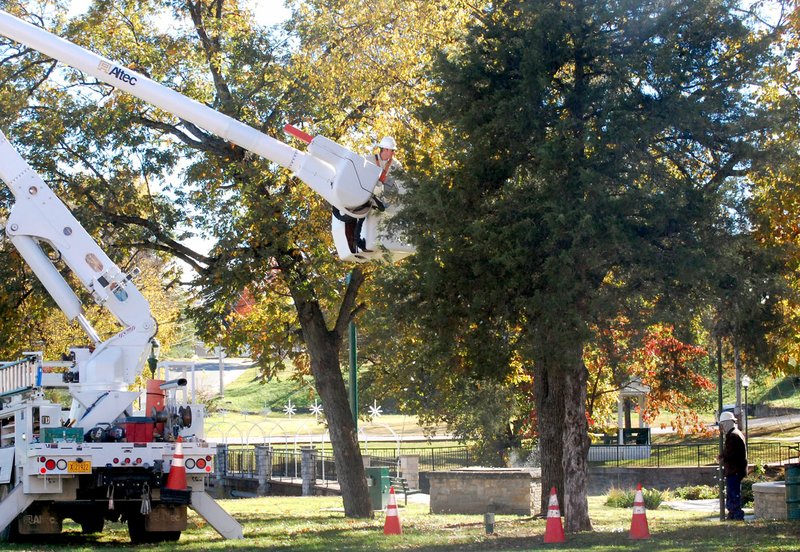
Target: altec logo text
<point x="117" y="72"/>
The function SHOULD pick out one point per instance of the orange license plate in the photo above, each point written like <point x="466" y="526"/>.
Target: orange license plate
<point x="79" y="467"/>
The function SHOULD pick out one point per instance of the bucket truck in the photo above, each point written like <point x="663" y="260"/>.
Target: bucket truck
<point x="103" y="460"/>
<point x="106" y="460"/>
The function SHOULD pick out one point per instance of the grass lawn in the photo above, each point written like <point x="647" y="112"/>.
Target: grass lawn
<point x="243" y="413"/>
<point x="304" y="427"/>
<point x="318" y="524"/>
<point x="249" y="393"/>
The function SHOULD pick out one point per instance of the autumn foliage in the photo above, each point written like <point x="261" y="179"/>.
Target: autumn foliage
<point x="671" y="369"/>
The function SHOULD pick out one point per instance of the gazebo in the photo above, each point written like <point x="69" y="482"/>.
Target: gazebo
<point x="636" y="390"/>
<point x="630" y="444"/>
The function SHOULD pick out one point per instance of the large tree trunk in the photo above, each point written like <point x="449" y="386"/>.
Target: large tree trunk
<point x="576" y="443"/>
<point x="549" y="394"/>
<point x="323" y="347"/>
<point x="560" y="380"/>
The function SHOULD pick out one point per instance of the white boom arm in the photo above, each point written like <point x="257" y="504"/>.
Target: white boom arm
<point x="38" y="216"/>
<point x="343" y="178"/>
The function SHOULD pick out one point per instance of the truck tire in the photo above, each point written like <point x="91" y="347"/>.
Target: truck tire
<point x="136" y="530"/>
<point x="139" y="535"/>
<point x="92" y="525"/>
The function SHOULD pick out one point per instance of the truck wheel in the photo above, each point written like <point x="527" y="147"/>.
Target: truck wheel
<point x="140" y="535"/>
<point x="168" y="536"/>
<point x="136" y="530"/>
<point x="93" y="525"/>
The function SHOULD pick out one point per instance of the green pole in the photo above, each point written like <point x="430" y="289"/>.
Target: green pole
<point x="721" y="444"/>
<point x="353" y="374"/>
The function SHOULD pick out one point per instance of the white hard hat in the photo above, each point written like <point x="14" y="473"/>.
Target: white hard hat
<point x="727" y="416"/>
<point x="388" y="143"/>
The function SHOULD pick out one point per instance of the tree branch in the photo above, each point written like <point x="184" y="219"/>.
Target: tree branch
<point x="211" y="48"/>
<point x="167" y="243"/>
<point x="348" y="309"/>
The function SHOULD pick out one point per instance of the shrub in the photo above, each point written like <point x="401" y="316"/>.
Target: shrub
<point x="619" y="498"/>
<point x="653" y="498"/>
<point x="758" y="475"/>
<point x="696" y="492"/>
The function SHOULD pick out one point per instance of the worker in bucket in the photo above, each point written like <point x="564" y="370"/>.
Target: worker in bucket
<point x="734" y="464"/>
<point x="385" y="188"/>
<point x="385" y="160"/>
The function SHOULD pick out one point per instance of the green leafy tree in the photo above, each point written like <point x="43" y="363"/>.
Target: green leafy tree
<point x="598" y="152"/>
<point x="270" y="233"/>
<point x="776" y="209"/>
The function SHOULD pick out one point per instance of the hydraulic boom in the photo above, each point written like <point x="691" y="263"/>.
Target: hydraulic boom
<point x="343" y="178"/>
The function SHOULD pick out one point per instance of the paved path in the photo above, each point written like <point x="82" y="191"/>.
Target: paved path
<point x="206" y="372"/>
<point x="710" y="505"/>
<point x="782" y="423"/>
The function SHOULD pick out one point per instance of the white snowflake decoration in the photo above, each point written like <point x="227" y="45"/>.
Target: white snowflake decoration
<point x="290" y="409"/>
<point x="375" y="411"/>
<point x="316" y="410"/>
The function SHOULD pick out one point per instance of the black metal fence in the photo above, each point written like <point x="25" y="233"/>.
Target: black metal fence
<point x="286" y="462"/>
<point x="689" y="455"/>
<point x="430" y="458"/>
<point x="240" y="460"/>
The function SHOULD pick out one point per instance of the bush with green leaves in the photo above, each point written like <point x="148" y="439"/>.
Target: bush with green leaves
<point x="624" y="498"/>
<point x="758" y="475"/>
<point x="696" y="492"/>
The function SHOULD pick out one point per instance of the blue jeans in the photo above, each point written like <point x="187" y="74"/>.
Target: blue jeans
<point x="733" y="496"/>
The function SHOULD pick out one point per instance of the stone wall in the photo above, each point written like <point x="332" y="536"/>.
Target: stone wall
<point x="602" y="479"/>
<point x="409" y="469"/>
<point x="766" y="411"/>
<point x="769" y="500"/>
<point x="481" y="490"/>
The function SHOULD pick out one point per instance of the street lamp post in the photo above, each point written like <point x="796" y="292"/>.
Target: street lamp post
<point x="745" y="384"/>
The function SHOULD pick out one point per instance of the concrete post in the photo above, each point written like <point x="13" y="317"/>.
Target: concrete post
<point x="409" y="469"/>
<point x="221" y="462"/>
<point x="263" y="468"/>
<point x="308" y="470"/>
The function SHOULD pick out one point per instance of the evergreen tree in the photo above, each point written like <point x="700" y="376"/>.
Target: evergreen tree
<point x="597" y="152"/>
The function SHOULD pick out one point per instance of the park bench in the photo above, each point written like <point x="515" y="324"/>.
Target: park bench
<point x="401" y="485"/>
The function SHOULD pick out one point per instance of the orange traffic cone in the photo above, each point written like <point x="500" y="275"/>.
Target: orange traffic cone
<point x="392" y="524"/>
<point x="639" y="528"/>
<point x="554" y="531"/>
<point x="176" y="491"/>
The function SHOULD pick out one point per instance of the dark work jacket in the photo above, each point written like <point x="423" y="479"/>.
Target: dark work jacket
<point x="734" y="456"/>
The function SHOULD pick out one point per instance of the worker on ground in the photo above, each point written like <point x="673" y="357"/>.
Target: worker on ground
<point x="734" y="464"/>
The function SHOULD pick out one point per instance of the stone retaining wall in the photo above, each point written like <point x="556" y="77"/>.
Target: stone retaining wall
<point x="481" y="490"/>
<point x="769" y="500"/>
<point x="602" y="479"/>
